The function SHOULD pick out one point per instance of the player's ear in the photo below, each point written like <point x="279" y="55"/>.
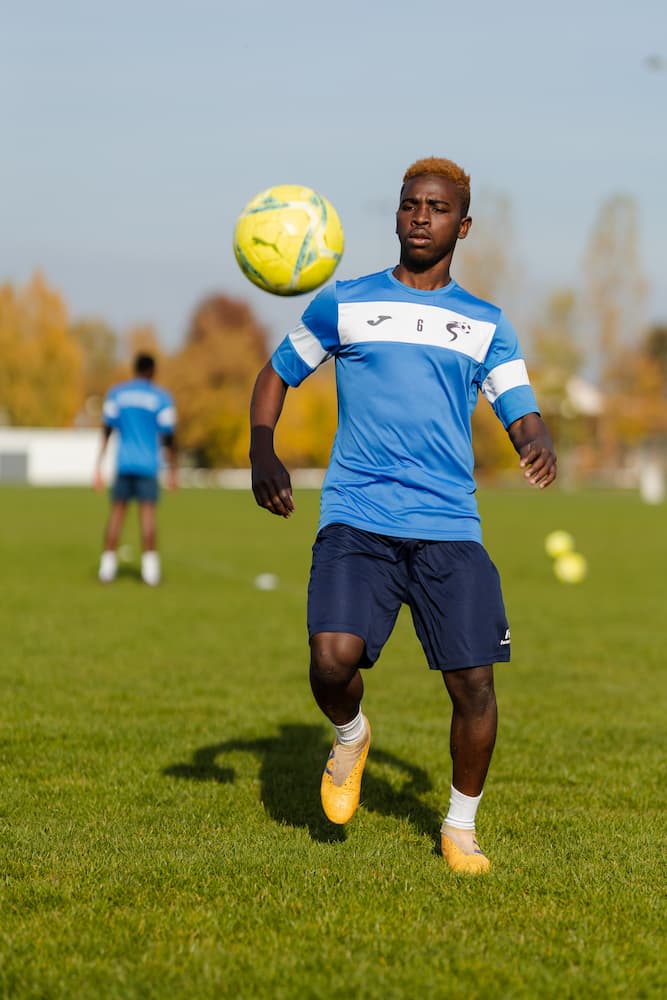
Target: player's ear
<point x="464" y="227"/>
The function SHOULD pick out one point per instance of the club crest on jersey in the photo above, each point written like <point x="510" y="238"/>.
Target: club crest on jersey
<point x="458" y="327"/>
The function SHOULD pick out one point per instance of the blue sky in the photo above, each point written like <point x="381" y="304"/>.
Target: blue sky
<point x="134" y="133"/>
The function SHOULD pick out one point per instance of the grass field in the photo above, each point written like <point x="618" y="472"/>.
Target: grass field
<point x="160" y="827"/>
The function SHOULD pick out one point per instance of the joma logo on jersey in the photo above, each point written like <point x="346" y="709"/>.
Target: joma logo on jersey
<point x="376" y="322"/>
<point x="458" y="327"/>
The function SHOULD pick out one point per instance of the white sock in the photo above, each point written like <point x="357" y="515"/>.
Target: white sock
<point x="351" y="732"/>
<point x="108" y="566"/>
<point x="150" y="568"/>
<point x="462" y="810"/>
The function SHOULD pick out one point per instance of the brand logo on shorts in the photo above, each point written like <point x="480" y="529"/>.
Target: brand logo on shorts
<point x="506" y="640"/>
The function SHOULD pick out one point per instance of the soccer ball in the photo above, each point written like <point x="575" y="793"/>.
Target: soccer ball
<point x="288" y="240"/>
<point x="570" y="567"/>
<point x="557" y="543"/>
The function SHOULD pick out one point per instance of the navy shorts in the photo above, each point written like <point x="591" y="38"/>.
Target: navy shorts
<point x="359" y="580"/>
<point x="130" y="487"/>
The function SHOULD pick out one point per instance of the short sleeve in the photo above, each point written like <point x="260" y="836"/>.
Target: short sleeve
<point x="110" y="411"/>
<point x="312" y="341"/>
<point x="503" y="378"/>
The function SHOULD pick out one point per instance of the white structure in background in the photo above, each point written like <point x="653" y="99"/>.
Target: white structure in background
<point x="52" y="457"/>
<point x="651" y="479"/>
<point x="66" y="457"/>
<point x="647" y="468"/>
<point x="584" y="397"/>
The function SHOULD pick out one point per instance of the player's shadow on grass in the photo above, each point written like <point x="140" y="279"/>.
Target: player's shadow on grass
<point x="124" y="572"/>
<point x="128" y="572"/>
<point x="290" y="771"/>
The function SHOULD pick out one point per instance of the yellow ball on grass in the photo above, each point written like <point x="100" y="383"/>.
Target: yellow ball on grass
<point x="557" y="543"/>
<point x="570" y="567"/>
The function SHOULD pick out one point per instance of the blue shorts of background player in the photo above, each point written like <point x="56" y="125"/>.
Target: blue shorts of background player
<point x="128" y="487"/>
<point x="359" y="581"/>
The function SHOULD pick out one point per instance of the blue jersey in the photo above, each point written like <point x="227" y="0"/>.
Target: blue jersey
<point x="409" y="367"/>
<point x="141" y="412"/>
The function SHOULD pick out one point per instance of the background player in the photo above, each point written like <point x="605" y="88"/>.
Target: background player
<point x="144" y="416"/>
<point x="399" y="520"/>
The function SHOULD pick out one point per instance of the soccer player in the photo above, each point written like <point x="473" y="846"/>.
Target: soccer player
<point x="144" y="416"/>
<point x="399" y="522"/>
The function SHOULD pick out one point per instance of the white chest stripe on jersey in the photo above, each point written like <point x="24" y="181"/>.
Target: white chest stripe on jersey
<point x="506" y="376"/>
<point x="138" y="399"/>
<point x="412" y="323"/>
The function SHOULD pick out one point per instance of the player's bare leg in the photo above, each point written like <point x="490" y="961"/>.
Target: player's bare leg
<point x="472" y="739"/>
<point x="338" y="688"/>
<point x="150" y="559"/>
<point x="148" y="526"/>
<point x="112" y="533"/>
<point x="115" y="525"/>
<point x="335" y="678"/>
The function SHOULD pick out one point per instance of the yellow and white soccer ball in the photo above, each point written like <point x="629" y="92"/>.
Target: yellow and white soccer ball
<point x="570" y="567"/>
<point x="288" y="240"/>
<point x="557" y="543"/>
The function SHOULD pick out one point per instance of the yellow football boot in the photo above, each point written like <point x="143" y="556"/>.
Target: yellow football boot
<point x="476" y="863"/>
<point x="341" y="782"/>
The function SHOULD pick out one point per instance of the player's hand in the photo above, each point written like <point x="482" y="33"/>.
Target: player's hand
<point x="172" y="479"/>
<point x="272" y="486"/>
<point x="539" y="461"/>
<point x="98" y="481"/>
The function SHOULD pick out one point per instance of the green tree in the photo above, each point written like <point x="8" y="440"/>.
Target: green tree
<point x="99" y="346"/>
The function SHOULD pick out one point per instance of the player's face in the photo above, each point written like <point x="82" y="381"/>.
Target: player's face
<point x="430" y="220"/>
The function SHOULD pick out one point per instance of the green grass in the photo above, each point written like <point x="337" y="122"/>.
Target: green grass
<point x="160" y="756"/>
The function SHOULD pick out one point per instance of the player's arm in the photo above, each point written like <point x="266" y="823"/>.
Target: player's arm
<point x="532" y="441"/>
<point x="98" y="478"/>
<point x="271" y="482"/>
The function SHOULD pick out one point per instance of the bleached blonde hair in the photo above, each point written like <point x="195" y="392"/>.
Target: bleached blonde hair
<point x="442" y="168"/>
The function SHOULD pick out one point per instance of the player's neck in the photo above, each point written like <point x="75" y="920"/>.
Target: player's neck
<point x="425" y="281"/>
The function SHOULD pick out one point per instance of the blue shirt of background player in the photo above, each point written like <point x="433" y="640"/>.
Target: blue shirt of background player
<point x="141" y="413"/>
<point x="410" y="365"/>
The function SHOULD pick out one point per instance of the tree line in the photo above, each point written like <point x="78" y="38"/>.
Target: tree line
<point x="603" y="393"/>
